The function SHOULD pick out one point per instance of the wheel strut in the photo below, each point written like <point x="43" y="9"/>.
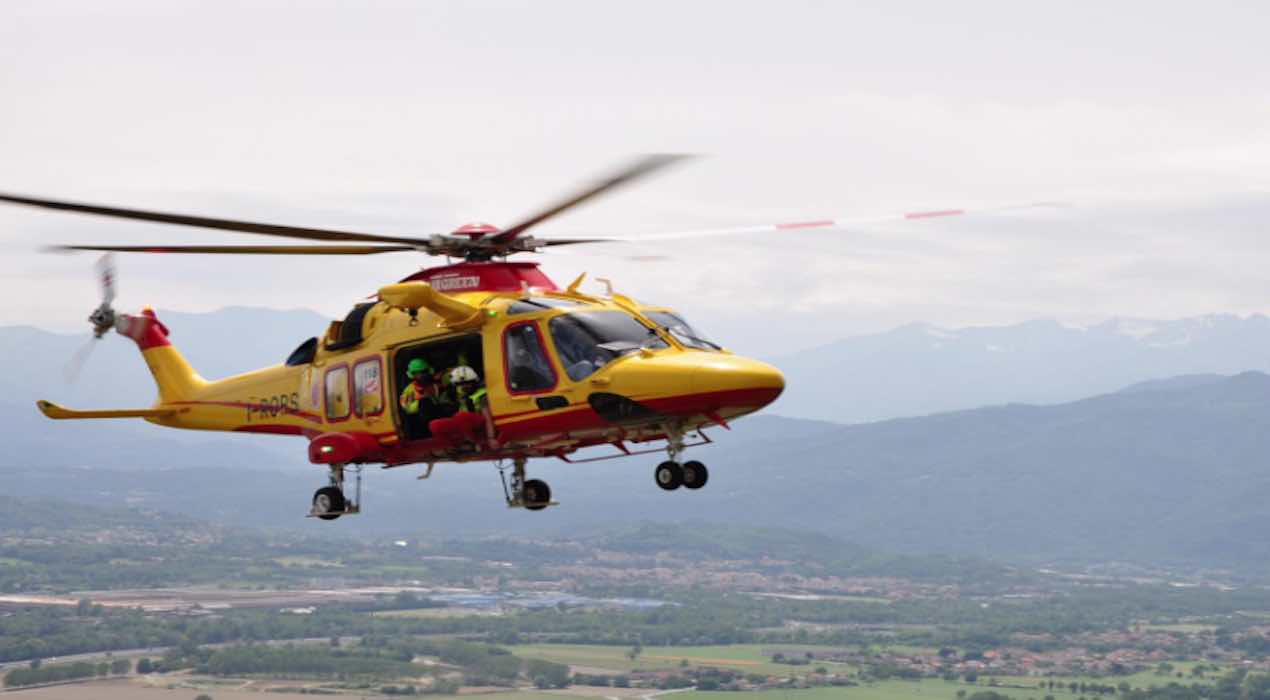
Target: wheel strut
<point x="531" y="494"/>
<point x="332" y="501"/>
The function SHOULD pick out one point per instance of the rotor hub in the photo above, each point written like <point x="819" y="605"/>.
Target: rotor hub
<point x="476" y="230"/>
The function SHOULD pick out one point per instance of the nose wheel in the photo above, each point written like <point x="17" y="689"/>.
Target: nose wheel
<point x="671" y="474"/>
<point x="695" y="474"/>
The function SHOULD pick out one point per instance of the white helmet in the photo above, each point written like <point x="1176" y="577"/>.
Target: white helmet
<point x="462" y="374"/>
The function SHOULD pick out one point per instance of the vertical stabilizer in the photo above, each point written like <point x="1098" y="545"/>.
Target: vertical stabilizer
<point x="176" y="379"/>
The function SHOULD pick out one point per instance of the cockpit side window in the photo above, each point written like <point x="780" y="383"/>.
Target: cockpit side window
<point x="528" y="368"/>
<point x="588" y="340"/>
<point x="684" y="333"/>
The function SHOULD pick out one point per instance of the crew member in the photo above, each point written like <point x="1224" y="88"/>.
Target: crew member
<point x="422" y="389"/>
<point x="471" y="423"/>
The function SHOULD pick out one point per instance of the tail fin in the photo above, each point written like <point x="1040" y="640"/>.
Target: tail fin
<point x="174" y="376"/>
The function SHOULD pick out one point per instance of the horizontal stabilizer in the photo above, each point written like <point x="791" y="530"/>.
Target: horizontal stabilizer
<point x="56" y="412"/>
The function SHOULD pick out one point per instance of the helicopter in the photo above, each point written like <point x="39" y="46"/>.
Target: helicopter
<point x="560" y="370"/>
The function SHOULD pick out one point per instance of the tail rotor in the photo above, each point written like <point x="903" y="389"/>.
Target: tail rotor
<point x="102" y="318"/>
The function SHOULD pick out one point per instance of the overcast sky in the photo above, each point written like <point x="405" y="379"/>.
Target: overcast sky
<point x="1151" y="118"/>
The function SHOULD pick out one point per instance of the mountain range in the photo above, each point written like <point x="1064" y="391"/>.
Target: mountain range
<point x="1168" y="470"/>
<point x="920" y="369"/>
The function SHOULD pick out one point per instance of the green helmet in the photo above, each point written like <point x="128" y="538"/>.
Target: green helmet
<point x="416" y="367"/>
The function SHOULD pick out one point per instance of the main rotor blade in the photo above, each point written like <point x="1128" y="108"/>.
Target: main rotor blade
<point x="314" y="234"/>
<point x="634" y="171"/>
<point x="572" y="241"/>
<point x="245" y="249"/>
<point x="839" y="224"/>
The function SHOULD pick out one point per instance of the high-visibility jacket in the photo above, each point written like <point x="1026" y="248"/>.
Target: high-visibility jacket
<point x="474" y="402"/>
<point x="413" y="394"/>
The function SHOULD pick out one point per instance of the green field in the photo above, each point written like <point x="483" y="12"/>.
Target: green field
<point x="927" y="689"/>
<point x="434" y="613"/>
<point x="746" y="658"/>
<point x="1182" y="627"/>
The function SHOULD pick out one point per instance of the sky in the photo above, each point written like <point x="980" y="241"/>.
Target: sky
<point x="1149" y="120"/>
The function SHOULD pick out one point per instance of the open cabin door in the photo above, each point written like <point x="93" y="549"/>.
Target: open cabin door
<point x="432" y="399"/>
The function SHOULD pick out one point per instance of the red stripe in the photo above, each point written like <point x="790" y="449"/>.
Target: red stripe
<point x="271" y="429"/>
<point x="933" y="214"/>
<point x="819" y="223"/>
<point x="690" y="404"/>
<point x="255" y="406"/>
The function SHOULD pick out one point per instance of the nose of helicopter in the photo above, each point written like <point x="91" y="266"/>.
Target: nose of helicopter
<point x="750" y="379"/>
<point x="692" y="384"/>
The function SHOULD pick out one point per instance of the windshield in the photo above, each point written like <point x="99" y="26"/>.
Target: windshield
<point x="588" y="340"/>
<point x="683" y="332"/>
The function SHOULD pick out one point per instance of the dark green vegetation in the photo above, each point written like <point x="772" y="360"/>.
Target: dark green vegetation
<point x="814" y="611"/>
<point x="55" y="673"/>
<point x="697" y="618"/>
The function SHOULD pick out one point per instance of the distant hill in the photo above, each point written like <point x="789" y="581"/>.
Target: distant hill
<point x="921" y="369"/>
<point x="218" y="344"/>
<point x="1176" y="468"/>
<point x="1177" y="475"/>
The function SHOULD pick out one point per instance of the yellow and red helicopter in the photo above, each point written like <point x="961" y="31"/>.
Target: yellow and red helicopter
<point x="562" y="369"/>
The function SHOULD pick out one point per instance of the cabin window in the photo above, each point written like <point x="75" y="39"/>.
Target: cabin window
<point x="528" y="368"/>
<point x="337" y="393"/>
<point x="368" y="387"/>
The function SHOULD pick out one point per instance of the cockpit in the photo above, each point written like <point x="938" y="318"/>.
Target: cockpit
<point x="687" y="336"/>
<point x="587" y="340"/>
<point x="587" y="337"/>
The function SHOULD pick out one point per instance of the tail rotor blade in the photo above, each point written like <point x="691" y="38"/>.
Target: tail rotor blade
<point x="71" y="370"/>
<point x="106" y="275"/>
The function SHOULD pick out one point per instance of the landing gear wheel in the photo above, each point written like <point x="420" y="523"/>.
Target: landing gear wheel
<point x="695" y="474"/>
<point x="669" y="475"/>
<point x="536" y="493"/>
<point x="328" y="503"/>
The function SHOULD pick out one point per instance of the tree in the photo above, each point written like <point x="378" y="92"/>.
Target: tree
<point x="145" y="665"/>
<point x="120" y="667"/>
